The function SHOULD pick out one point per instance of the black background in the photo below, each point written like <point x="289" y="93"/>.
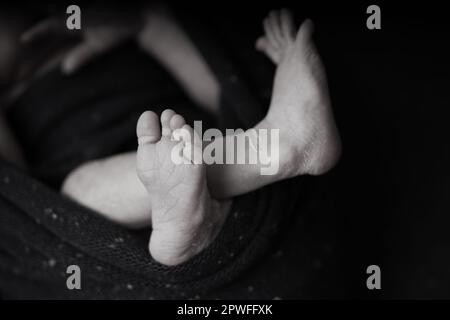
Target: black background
<point x="387" y="201"/>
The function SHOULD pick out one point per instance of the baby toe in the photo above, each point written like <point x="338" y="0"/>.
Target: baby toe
<point x="176" y="122"/>
<point x="166" y="115"/>
<point x="287" y="24"/>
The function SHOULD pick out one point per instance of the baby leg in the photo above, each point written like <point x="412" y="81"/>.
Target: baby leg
<point x="300" y="110"/>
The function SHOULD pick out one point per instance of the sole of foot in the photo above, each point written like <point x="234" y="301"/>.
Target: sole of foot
<point x="185" y="219"/>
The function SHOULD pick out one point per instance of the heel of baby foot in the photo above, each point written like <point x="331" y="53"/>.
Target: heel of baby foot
<point x="161" y="252"/>
<point x="173" y="245"/>
<point x="324" y="156"/>
<point x="165" y="250"/>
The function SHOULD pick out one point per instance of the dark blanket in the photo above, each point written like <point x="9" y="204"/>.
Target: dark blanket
<point x="64" y="121"/>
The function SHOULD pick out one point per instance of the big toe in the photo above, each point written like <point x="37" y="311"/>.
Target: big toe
<point x="148" y="129"/>
<point x="305" y="31"/>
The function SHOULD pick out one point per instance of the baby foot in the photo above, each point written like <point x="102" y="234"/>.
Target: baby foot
<point x="300" y="107"/>
<point x="185" y="219"/>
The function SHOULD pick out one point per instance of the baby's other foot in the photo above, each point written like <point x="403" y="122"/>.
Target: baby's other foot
<point x="185" y="219"/>
<point x="300" y="106"/>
